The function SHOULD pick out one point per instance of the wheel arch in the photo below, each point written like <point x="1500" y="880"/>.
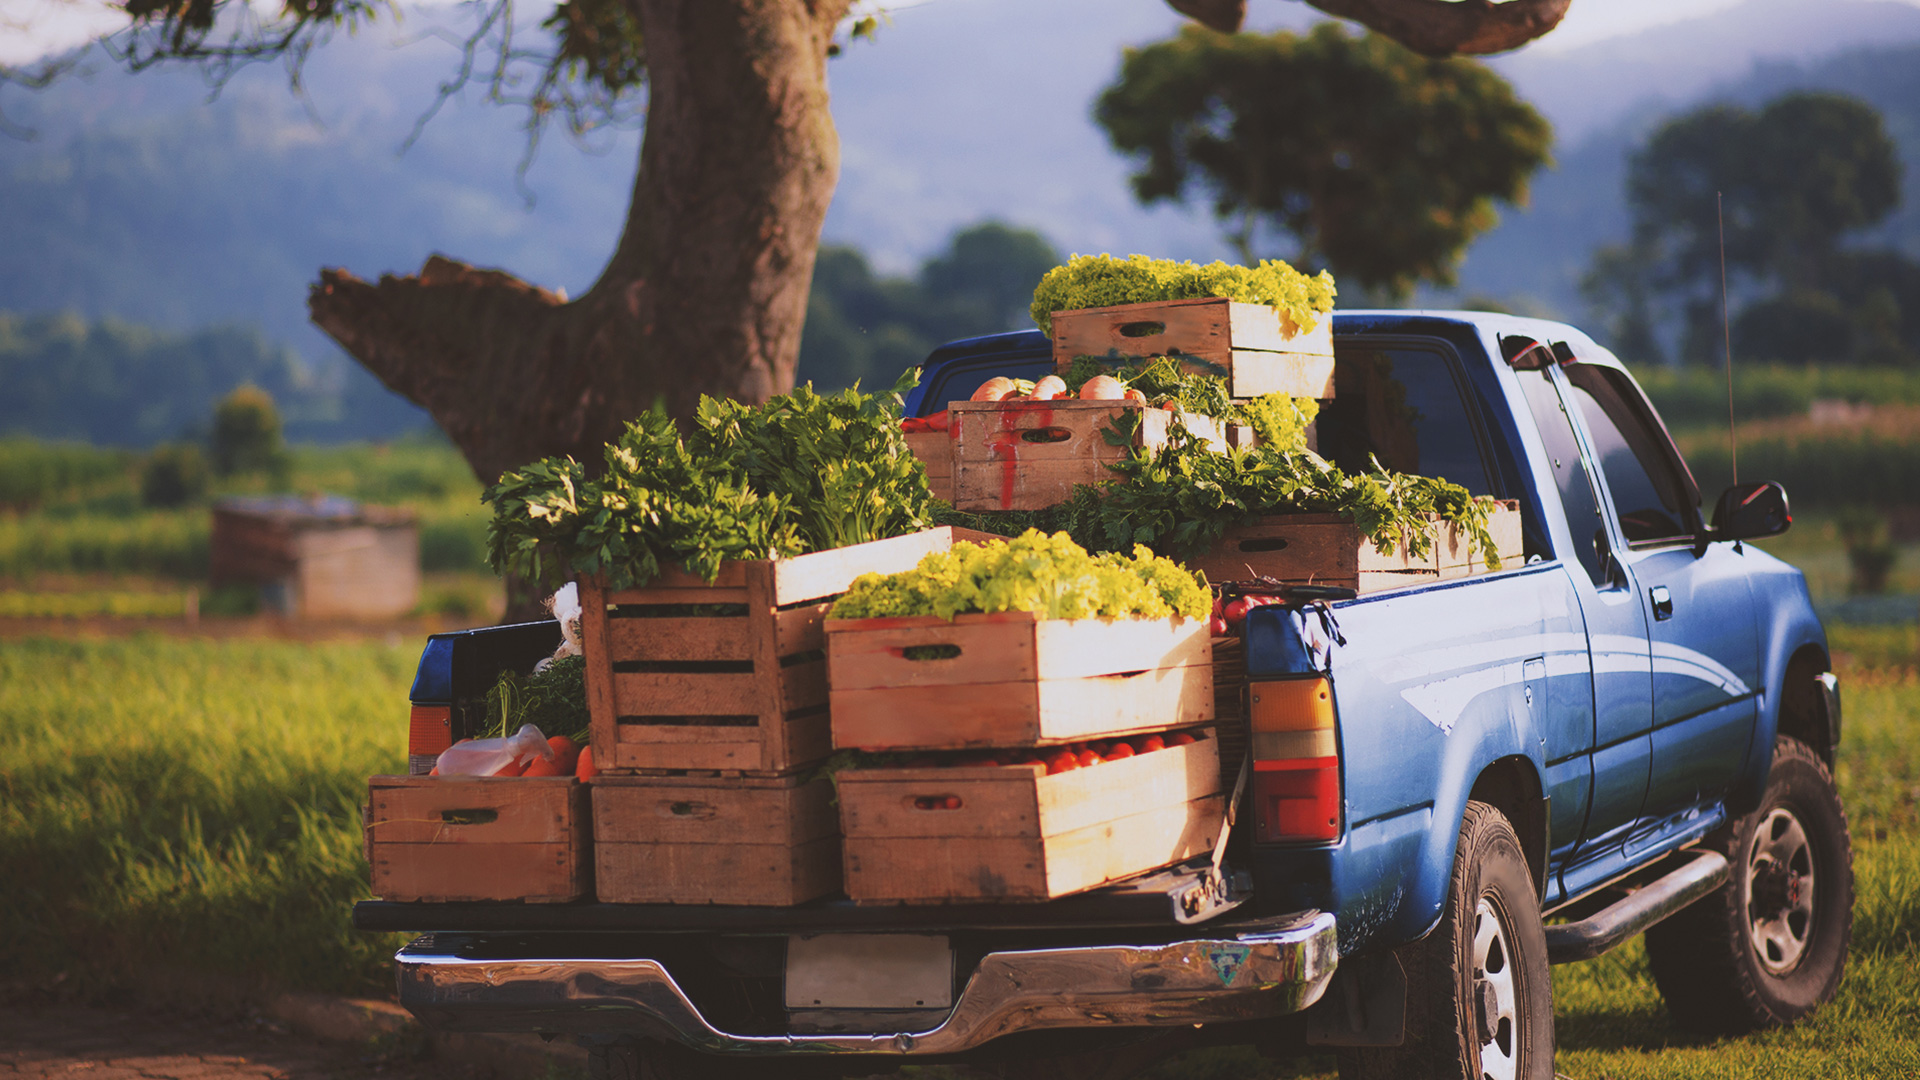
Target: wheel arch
<point x="1512" y="786"/>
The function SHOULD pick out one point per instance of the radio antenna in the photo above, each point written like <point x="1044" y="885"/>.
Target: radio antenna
<point x="1726" y="328"/>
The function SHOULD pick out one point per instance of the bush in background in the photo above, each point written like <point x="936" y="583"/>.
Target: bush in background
<point x="246" y="433"/>
<point x="173" y="476"/>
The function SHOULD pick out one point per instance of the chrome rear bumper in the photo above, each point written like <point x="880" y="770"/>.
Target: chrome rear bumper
<point x="1271" y="968"/>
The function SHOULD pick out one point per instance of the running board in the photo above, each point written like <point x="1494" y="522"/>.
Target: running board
<point x="1699" y="873"/>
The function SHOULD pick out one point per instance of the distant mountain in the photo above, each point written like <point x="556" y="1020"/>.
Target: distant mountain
<point x="1535" y="258"/>
<point x="143" y="201"/>
<point x="1592" y="88"/>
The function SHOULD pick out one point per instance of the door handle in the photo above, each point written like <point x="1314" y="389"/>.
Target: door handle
<point x="1662" y="603"/>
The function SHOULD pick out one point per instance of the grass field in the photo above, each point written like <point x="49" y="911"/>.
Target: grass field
<point x="194" y="804"/>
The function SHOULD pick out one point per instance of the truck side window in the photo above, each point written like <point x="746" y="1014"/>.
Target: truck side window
<point x="1576" y="491"/>
<point x="1645" y="488"/>
<point x="1405" y="407"/>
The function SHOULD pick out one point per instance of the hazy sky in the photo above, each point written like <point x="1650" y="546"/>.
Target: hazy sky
<point x="31" y="27"/>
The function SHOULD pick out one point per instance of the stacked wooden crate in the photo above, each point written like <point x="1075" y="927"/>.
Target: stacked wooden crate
<point x="947" y="833"/>
<point x="1328" y="549"/>
<point x="447" y="838"/>
<point x="710" y="709"/>
<point x="1029" y="455"/>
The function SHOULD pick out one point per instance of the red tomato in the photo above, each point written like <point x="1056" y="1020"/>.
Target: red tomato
<point x="1088" y="757"/>
<point x="584" y="768"/>
<point x="1235" y="611"/>
<point x="1180" y="738"/>
<point x="1135" y="395"/>
<point x="1062" y="762"/>
<point x="951" y="802"/>
<point x="1170" y="406"/>
<point x="1217" y="627"/>
<point x="1120" y="750"/>
<point x="1151" y="743"/>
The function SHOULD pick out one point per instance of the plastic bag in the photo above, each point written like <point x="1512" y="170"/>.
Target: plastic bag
<point x="484" y="757"/>
<point x="565" y="606"/>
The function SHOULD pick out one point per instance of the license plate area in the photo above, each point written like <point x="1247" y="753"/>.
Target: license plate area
<point x="869" y="972"/>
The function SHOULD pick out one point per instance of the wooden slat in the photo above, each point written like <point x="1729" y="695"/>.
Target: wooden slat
<point x="1459" y="558"/>
<point x="436" y="873"/>
<point x="665" y="693"/>
<point x="982" y="486"/>
<point x="803" y="686"/>
<point x="991" y="651"/>
<point x="700" y="594"/>
<point x="537" y="849"/>
<point x="998" y="430"/>
<point x="603" y="731"/>
<point x="1296" y="374"/>
<point x="1021" y="713"/>
<point x="995" y="801"/>
<point x="415" y="810"/>
<point x="976" y="867"/>
<point x="762" y="874"/>
<point x="972" y="868"/>
<point x="679" y="639"/>
<point x="808" y="737"/>
<point x="633" y="810"/>
<point x="869" y="654"/>
<point x="1253" y="345"/>
<point x="1163" y="779"/>
<point x="798" y="630"/>
<point x="1111" y="850"/>
<point x="707" y="753"/>
<point x="822" y="574"/>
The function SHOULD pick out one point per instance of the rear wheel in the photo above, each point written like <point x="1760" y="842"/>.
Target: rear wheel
<point x="1771" y="945"/>
<point x="1479" y="997"/>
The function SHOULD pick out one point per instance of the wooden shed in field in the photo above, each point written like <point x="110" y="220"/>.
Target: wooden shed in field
<point x="320" y="557"/>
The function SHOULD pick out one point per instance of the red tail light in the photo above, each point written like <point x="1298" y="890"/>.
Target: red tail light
<point x="1296" y="761"/>
<point x="429" y="731"/>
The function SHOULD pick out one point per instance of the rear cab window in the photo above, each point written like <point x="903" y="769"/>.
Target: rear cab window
<point x="1407" y="408"/>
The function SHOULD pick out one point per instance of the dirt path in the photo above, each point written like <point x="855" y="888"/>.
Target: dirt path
<point x="69" y="1042"/>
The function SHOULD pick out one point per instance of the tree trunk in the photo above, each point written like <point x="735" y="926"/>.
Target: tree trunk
<point x="706" y="292"/>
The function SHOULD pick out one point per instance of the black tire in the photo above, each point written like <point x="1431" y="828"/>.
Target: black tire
<point x="1770" y="946"/>
<point x="1479" y="996"/>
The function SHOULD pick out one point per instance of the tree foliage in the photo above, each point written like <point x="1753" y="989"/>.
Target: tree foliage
<point x="1379" y="163"/>
<point x="870" y="326"/>
<point x="1791" y="182"/>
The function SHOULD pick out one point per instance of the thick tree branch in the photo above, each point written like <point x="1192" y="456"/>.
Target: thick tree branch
<point x="1452" y="27"/>
<point x="1225" y="16"/>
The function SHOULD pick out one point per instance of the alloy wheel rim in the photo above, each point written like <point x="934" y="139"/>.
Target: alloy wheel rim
<point x="1780" y="887"/>
<point x="1496" y="1023"/>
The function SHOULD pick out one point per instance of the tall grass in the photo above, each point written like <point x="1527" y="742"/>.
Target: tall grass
<point x="193" y="804"/>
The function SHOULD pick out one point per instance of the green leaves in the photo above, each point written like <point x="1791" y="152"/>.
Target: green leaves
<point x="1101" y="281"/>
<point x="802" y="472"/>
<point x="1048" y="575"/>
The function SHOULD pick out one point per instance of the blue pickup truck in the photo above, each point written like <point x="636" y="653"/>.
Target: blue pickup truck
<point x="1628" y="728"/>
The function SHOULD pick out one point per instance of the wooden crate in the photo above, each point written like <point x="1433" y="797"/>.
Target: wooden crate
<point x="445" y="838"/>
<point x="729" y="675"/>
<point x="1327" y="549"/>
<point x="1028" y="455"/>
<point x="1254" y="346"/>
<point x="1013" y="679"/>
<point x="691" y="840"/>
<point x="935" y="451"/>
<point x="1019" y="834"/>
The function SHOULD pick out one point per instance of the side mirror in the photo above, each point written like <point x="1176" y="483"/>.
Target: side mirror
<point x="1746" y="511"/>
